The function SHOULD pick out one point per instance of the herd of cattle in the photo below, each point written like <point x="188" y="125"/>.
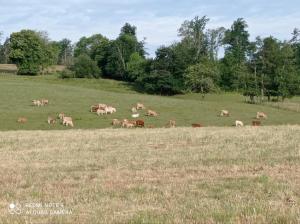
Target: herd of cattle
<point x="103" y="109"/>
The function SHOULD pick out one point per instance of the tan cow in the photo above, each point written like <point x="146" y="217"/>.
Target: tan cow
<point x="128" y="124"/>
<point x="22" y="120"/>
<point x="152" y="113"/>
<point x="67" y="121"/>
<point x="37" y="103"/>
<point x="44" y="102"/>
<point x="239" y="124"/>
<point x="225" y="113"/>
<point x="102" y="106"/>
<point x="171" y="124"/>
<point x="61" y="116"/>
<point x="134" y="110"/>
<point x="110" y="110"/>
<point x="94" y="108"/>
<point x="140" y="106"/>
<point x="261" y="115"/>
<point x="116" y="122"/>
<point x="101" y="112"/>
<point x="51" y="120"/>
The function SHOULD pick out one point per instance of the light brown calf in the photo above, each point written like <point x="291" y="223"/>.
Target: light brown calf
<point x="22" y="120"/>
<point x="225" y="113"/>
<point x="51" y="120"/>
<point x="152" y="113"/>
<point x="140" y="106"/>
<point x="261" y="115"/>
<point x="116" y="122"/>
<point x="44" y="102"/>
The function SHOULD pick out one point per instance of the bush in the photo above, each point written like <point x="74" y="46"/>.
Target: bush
<point x="85" y="67"/>
<point x="159" y="82"/>
<point x="66" y="74"/>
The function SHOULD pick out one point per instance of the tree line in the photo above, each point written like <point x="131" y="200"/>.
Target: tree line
<point x="264" y="69"/>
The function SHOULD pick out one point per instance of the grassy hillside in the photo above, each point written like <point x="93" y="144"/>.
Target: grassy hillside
<point x="183" y="175"/>
<point x="74" y="97"/>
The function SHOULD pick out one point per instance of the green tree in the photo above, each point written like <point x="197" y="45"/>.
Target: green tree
<point x="215" y="39"/>
<point x="135" y="67"/>
<point x="120" y="51"/>
<point x="193" y="33"/>
<point x="202" y="77"/>
<point x="30" y="51"/>
<point x="65" y="52"/>
<point x="236" y="43"/>
<point x="85" y="67"/>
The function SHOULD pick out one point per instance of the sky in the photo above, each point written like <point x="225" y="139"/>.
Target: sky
<point x="156" y="20"/>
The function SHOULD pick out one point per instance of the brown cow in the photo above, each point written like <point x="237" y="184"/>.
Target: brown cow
<point x="140" y="123"/>
<point x="197" y="125"/>
<point x="22" y="120"/>
<point x="256" y="123"/>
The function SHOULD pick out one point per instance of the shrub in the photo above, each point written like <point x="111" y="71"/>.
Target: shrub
<point x="66" y="74"/>
<point x="85" y="67"/>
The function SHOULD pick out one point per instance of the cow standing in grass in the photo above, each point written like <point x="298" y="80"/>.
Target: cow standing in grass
<point x="261" y="115"/>
<point x="225" y="113"/>
<point x="152" y="113"/>
<point x="239" y="124"/>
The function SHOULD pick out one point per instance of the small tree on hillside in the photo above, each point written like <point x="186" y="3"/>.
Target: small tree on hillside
<point x="85" y="67"/>
<point x="202" y="77"/>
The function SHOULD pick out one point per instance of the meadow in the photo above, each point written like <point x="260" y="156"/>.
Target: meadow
<point x="74" y="98"/>
<point x="210" y="175"/>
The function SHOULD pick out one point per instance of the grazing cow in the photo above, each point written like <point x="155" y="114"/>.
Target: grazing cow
<point x="110" y="110"/>
<point x="135" y="115"/>
<point x="101" y="112"/>
<point x="115" y="122"/>
<point x="140" y="106"/>
<point x="67" y="121"/>
<point x="51" y="120"/>
<point x="197" y="125"/>
<point x="102" y="106"/>
<point x="128" y="124"/>
<point x="37" y="103"/>
<point x="134" y="110"/>
<point x="94" y="108"/>
<point x="225" y="113"/>
<point x="22" y="120"/>
<point x="140" y="123"/>
<point x="152" y="113"/>
<point x="239" y="124"/>
<point x="261" y="115"/>
<point x="61" y="116"/>
<point x="44" y="102"/>
<point x="171" y="124"/>
<point x="256" y="123"/>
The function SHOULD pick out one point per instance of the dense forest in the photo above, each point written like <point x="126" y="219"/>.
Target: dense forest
<point x="264" y="69"/>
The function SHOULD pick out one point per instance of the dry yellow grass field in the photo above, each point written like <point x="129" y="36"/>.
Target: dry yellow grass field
<point x="182" y="175"/>
<point x="8" y="68"/>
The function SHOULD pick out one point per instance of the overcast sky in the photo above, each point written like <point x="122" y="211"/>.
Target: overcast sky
<point x="157" y="20"/>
